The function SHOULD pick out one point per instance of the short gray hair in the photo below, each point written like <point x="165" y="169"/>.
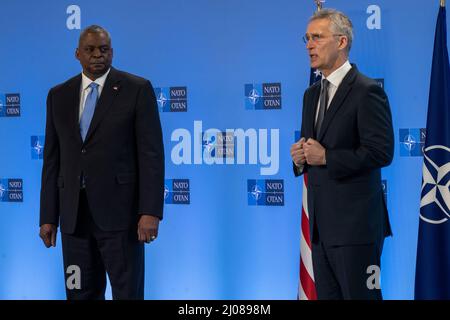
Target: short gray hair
<point x="94" y="29"/>
<point x="340" y="23"/>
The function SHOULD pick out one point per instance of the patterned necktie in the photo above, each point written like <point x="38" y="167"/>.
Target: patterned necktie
<point x="323" y="103"/>
<point x="89" y="108"/>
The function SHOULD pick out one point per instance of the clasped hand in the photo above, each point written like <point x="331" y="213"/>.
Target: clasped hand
<point x="310" y="152"/>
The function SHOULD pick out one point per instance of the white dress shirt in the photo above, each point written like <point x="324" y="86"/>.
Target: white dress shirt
<point x="85" y="89"/>
<point x="335" y="79"/>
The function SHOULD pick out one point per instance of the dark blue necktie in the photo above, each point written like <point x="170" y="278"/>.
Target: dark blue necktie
<point x="89" y="108"/>
<point x="323" y="103"/>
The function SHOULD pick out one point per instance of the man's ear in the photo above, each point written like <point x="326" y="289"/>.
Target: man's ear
<point x="343" y="42"/>
<point x="77" y="54"/>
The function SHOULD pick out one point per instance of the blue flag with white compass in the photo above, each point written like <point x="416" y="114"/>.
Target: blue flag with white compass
<point x="433" y="246"/>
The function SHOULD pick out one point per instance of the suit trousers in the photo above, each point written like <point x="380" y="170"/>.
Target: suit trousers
<point x="347" y="272"/>
<point x="98" y="253"/>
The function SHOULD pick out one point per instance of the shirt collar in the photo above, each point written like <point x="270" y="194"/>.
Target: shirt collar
<point x="85" y="81"/>
<point x="336" y="77"/>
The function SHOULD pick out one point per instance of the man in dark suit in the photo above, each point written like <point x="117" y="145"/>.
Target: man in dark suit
<point x="346" y="137"/>
<point x="103" y="172"/>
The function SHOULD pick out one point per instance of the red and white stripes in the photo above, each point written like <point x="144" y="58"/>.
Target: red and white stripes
<point x="306" y="287"/>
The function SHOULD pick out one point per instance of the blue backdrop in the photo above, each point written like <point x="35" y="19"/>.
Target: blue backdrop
<point x="230" y="77"/>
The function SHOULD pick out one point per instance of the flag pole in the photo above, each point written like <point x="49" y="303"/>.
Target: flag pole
<point x="442" y="3"/>
<point x="319" y="4"/>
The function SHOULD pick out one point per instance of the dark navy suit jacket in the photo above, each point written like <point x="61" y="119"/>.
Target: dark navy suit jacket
<point x="345" y="196"/>
<point x="122" y="157"/>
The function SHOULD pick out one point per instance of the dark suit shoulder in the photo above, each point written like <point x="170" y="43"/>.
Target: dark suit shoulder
<point x="132" y="78"/>
<point x="313" y="87"/>
<point x="67" y="84"/>
<point x="364" y="81"/>
<point x="368" y="87"/>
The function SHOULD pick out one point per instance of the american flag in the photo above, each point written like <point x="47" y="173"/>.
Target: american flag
<point x="306" y="286"/>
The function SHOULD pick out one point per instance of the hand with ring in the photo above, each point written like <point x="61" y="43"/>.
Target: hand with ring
<point x="147" y="228"/>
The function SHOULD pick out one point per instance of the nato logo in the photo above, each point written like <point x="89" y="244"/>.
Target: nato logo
<point x="218" y="145"/>
<point x="385" y="190"/>
<point x="11" y="190"/>
<point x="37" y="147"/>
<point x="435" y="201"/>
<point x="412" y="142"/>
<point x="380" y="82"/>
<point x="265" y="192"/>
<point x="10" y="105"/>
<point x="177" y="191"/>
<point x="171" y="99"/>
<point x="265" y="96"/>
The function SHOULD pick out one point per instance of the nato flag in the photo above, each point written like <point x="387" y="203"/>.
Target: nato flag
<point x="433" y="247"/>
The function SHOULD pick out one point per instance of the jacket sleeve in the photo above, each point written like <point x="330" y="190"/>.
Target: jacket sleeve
<point x="298" y="171"/>
<point x="49" y="208"/>
<point x="376" y="145"/>
<point x="150" y="149"/>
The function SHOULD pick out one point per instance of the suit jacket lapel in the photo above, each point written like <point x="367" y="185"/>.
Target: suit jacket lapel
<point x="74" y="107"/>
<point x="338" y="100"/>
<point x="315" y="94"/>
<point x="107" y="97"/>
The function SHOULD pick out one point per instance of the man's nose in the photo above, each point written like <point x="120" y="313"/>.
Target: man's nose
<point x="309" y="44"/>
<point x="97" y="52"/>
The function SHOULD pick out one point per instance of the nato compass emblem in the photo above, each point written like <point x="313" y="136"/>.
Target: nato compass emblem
<point x="409" y="142"/>
<point x="253" y="96"/>
<point x="38" y="148"/>
<point x="161" y="100"/>
<point x="2" y="190"/>
<point x="265" y="192"/>
<point x="412" y="141"/>
<point x="166" y="192"/>
<point x="256" y="192"/>
<point x="435" y="202"/>
<point x="209" y="145"/>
